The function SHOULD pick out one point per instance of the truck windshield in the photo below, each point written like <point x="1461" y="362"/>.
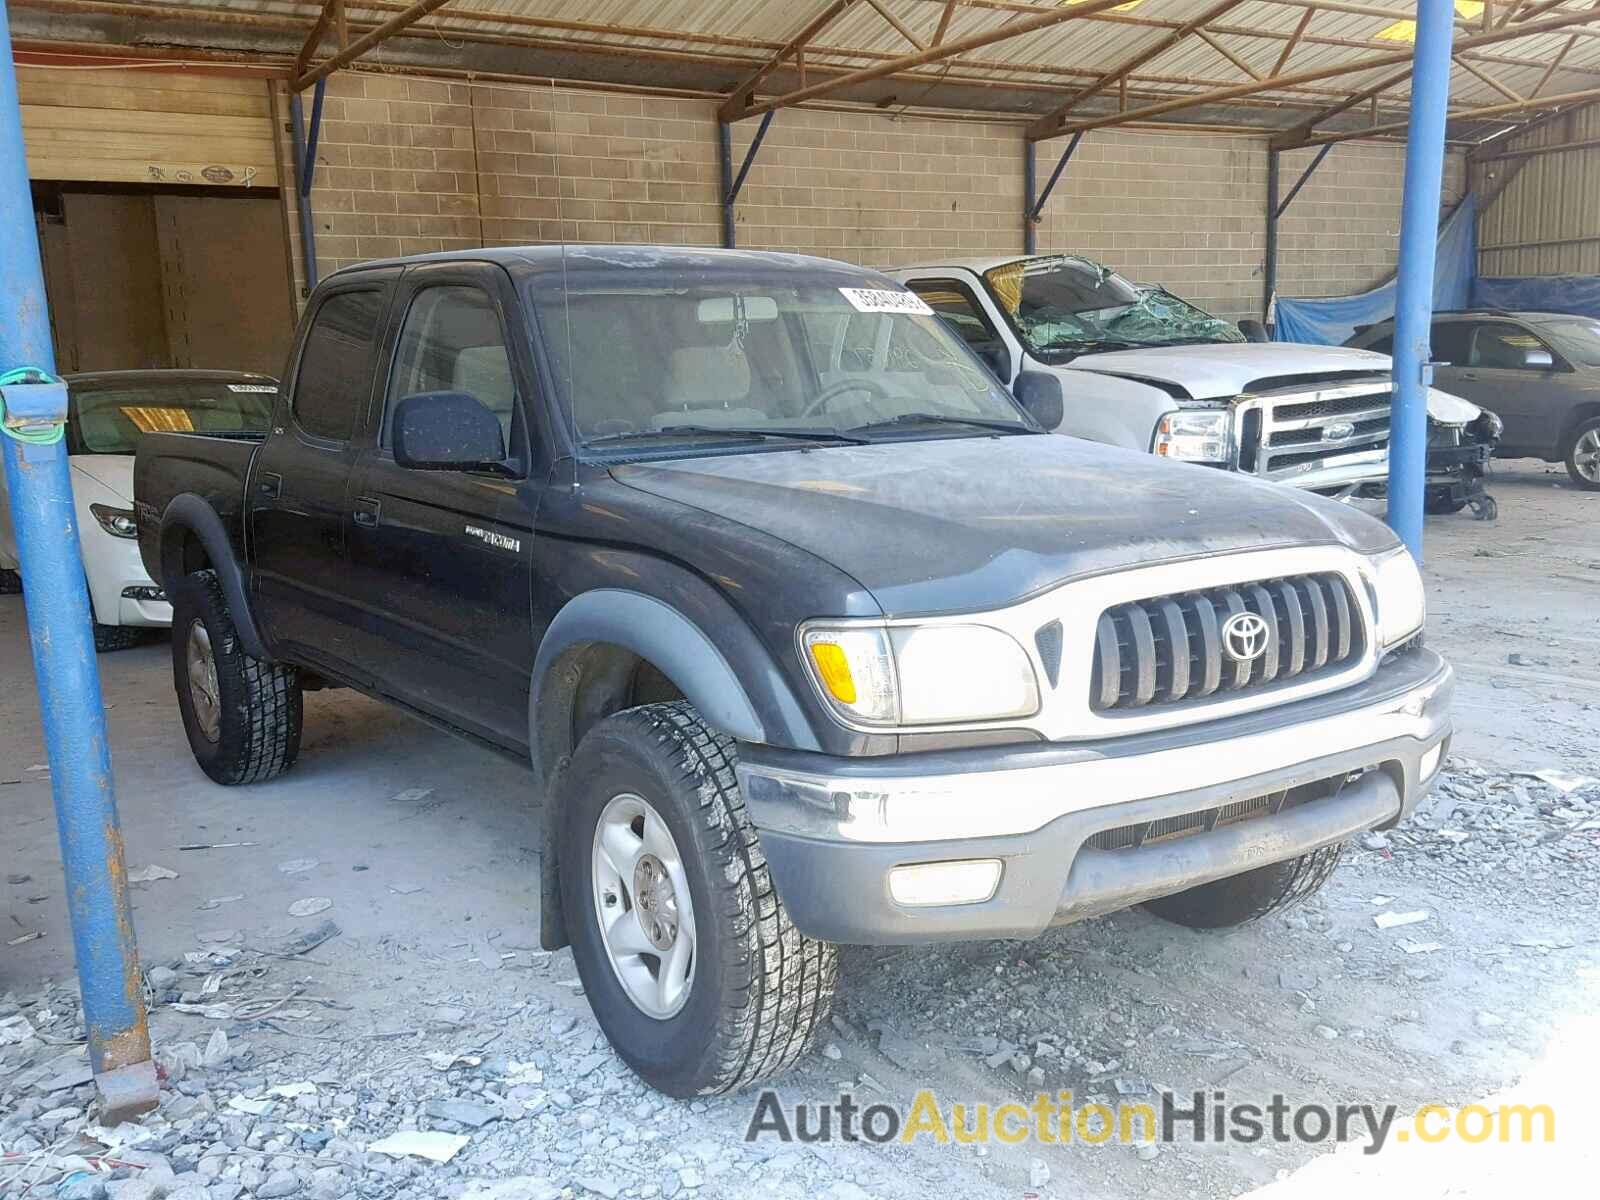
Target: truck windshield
<point x="762" y="362"/>
<point x="1063" y="306"/>
<point x="107" y="418"/>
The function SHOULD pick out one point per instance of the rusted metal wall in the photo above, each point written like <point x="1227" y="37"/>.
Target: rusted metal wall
<point x="1546" y="220"/>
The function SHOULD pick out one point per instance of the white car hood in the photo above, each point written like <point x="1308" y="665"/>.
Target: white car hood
<point x="114" y="472"/>
<point x="1451" y="410"/>
<point x="1220" y="372"/>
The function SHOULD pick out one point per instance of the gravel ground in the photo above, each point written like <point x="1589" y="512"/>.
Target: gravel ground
<point x="415" y="999"/>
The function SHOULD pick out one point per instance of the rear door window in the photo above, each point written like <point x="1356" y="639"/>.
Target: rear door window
<point x="335" y="377"/>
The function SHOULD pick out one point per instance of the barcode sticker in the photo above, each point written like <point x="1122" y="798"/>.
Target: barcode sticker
<point x="886" y="300"/>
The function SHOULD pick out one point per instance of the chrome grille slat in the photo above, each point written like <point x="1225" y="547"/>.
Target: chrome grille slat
<point x="1168" y="650"/>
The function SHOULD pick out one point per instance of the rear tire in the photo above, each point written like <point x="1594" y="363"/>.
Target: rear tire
<point x="1252" y="895"/>
<point x="1583" y="455"/>
<point x="656" y="783"/>
<point x="242" y="715"/>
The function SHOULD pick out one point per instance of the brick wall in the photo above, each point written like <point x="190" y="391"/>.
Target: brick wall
<point x="412" y="165"/>
<point x="1342" y="233"/>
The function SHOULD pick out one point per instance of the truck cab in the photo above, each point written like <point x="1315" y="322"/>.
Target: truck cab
<point x="1143" y="369"/>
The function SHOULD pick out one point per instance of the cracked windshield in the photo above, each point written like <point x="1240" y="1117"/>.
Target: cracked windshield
<point x="1068" y="306"/>
<point x="755" y="363"/>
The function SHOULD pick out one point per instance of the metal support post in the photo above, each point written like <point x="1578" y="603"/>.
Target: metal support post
<point x="1036" y="207"/>
<point x="1269" y="269"/>
<point x="732" y="184"/>
<point x="725" y="180"/>
<point x="1030" y="184"/>
<point x="64" y="666"/>
<point x="305" y="173"/>
<point x="1419" y="233"/>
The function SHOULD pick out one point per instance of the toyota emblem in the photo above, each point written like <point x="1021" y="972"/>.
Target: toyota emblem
<point x="1245" y="636"/>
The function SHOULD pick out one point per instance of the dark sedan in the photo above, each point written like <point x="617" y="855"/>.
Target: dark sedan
<point x="1538" y="371"/>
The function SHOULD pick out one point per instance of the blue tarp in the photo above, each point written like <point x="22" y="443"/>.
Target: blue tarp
<point x="1539" y="293"/>
<point x="1330" y="321"/>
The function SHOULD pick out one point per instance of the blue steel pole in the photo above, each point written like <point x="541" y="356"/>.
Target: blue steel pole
<point x="1419" y="234"/>
<point x="64" y="664"/>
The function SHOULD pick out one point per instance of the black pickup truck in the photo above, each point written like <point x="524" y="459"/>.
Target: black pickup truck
<point x="808" y="631"/>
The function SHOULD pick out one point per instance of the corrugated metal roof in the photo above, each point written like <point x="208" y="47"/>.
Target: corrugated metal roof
<point x="1032" y="72"/>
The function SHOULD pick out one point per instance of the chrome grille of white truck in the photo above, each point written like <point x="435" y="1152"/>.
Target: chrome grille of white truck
<point x="1291" y="435"/>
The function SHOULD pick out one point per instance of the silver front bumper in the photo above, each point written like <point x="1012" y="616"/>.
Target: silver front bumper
<point x="833" y="835"/>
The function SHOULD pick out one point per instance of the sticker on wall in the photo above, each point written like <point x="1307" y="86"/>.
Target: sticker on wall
<point x="886" y="300"/>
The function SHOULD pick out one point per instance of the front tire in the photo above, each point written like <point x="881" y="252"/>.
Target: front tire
<point x="242" y="715"/>
<point x="1252" y="895"/>
<point x="1583" y="455"/>
<point x="689" y="960"/>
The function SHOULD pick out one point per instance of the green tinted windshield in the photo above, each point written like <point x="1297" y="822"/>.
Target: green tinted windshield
<point x="718" y="352"/>
<point x="107" y="418"/>
<point x="1068" y="305"/>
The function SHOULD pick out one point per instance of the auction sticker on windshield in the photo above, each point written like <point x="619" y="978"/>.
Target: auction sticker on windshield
<point x="886" y="300"/>
<point x="253" y="387"/>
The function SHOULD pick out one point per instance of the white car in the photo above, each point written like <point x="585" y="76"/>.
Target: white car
<point x="107" y="411"/>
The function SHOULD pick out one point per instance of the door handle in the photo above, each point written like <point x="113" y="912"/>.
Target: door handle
<point x="366" y="512"/>
<point x="1469" y="374"/>
<point x="270" y="485"/>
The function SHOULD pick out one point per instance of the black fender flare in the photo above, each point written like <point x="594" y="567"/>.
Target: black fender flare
<point x="192" y="514"/>
<point x="682" y="650"/>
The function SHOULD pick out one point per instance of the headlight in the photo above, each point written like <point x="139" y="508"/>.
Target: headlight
<point x="118" y="522"/>
<point x="1194" y="436"/>
<point x="1493" y="423"/>
<point x="920" y="674"/>
<point x="1401" y="603"/>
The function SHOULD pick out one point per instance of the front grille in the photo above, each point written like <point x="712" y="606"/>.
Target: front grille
<point x="1284" y="435"/>
<point x="1169" y="649"/>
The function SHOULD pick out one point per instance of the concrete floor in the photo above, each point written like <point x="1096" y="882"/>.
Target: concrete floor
<point x="423" y="885"/>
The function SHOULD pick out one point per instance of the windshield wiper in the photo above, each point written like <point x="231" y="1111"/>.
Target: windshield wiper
<point x="925" y="418"/>
<point x="736" y="431"/>
<point x="1090" y="345"/>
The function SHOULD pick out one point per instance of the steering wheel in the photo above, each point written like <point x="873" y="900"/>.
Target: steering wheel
<point x="843" y="388"/>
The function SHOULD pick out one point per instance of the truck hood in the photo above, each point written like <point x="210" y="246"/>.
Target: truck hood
<point x="971" y="523"/>
<point x="114" y="472"/>
<point x="1222" y="371"/>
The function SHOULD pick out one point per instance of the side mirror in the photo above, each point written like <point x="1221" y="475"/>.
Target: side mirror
<point x="1541" y="360"/>
<point x="1040" y="393"/>
<point x="1254" y="331"/>
<point x="446" y="431"/>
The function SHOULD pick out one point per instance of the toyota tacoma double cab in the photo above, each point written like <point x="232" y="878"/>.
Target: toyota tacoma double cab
<point x="808" y="631"/>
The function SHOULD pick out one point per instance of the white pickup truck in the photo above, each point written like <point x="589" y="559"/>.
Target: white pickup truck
<point x="1144" y="369"/>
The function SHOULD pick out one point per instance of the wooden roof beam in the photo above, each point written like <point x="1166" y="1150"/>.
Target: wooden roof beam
<point x="394" y="25"/>
<point x="1484" y="113"/>
<point x="733" y="107"/>
<point x="1039" y="19"/>
<point x="1119" y="75"/>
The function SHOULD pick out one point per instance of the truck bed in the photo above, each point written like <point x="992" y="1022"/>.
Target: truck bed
<point x="214" y="467"/>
